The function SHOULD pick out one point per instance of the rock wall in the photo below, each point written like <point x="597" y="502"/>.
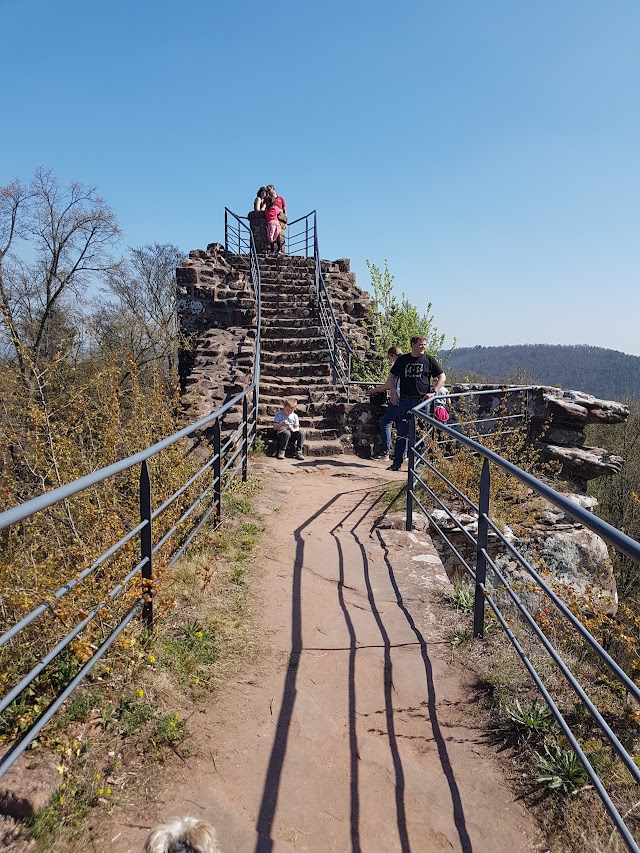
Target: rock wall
<point x="352" y="305"/>
<point x="217" y="311"/>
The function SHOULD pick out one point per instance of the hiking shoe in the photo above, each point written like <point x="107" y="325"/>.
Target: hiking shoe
<point x="281" y="454"/>
<point x="299" y="454"/>
<point x="395" y="466"/>
<point x="381" y="457"/>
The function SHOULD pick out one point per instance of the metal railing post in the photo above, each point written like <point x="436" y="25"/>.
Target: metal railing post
<point x="306" y="237"/>
<point x="226" y="233"/>
<point x="411" y="457"/>
<point x="255" y="410"/>
<point x="335" y="355"/>
<point x="245" y="436"/>
<point x="481" y="560"/>
<point x="217" y="477"/>
<point x="146" y="548"/>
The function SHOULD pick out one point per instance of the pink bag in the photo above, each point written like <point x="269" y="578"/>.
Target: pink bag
<point x="441" y="414"/>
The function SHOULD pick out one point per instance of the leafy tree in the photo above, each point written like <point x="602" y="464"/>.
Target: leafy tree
<point x="394" y="322"/>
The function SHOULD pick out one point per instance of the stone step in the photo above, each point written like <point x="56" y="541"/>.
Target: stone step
<point x="286" y="325"/>
<point x="307" y="342"/>
<point x="300" y="359"/>
<point x="284" y="300"/>
<point x="293" y="370"/>
<point x="288" y="274"/>
<point x="316" y="391"/>
<point x="292" y="286"/>
<point x="282" y="332"/>
<point x="325" y="447"/>
<point x="267" y="411"/>
<point x="310" y="434"/>
<point x="294" y="352"/>
<point x="290" y="313"/>
<point x="295" y="379"/>
<point x="286" y="261"/>
<point x="322" y="410"/>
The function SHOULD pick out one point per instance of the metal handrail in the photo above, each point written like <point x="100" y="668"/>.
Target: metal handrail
<point x="340" y="350"/>
<point x="339" y="347"/>
<point x="418" y="463"/>
<point x="232" y="452"/>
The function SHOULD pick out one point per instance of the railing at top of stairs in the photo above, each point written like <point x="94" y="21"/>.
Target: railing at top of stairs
<point x="301" y="241"/>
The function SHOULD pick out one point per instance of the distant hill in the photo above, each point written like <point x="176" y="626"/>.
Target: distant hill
<point x="605" y="373"/>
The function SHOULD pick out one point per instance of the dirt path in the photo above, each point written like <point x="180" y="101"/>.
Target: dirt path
<point x="354" y="731"/>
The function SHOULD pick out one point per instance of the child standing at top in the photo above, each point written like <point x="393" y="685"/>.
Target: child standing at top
<point x="287" y="426"/>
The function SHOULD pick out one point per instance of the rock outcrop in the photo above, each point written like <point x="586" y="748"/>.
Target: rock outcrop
<point x="568" y="554"/>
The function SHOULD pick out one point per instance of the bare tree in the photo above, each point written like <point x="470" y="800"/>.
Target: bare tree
<point x="66" y="235"/>
<point x="144" y="320"/>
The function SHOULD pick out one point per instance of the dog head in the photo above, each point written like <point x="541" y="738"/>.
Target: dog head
<point x="183" y="835"/>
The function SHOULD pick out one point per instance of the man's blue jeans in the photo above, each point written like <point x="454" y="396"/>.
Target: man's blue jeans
<point x="402" y="428"/>
<point x="388" y="417"/>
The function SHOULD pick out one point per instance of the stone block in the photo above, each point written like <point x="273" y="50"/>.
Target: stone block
<point x="186" y="275"/>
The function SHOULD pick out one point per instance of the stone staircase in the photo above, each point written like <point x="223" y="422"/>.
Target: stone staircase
<point x="295" y="359"/>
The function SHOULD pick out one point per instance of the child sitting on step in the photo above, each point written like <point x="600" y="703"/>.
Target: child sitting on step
<point x="287" y="426"/>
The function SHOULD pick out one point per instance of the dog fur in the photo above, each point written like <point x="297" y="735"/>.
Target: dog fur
<point x="183" y="835"/>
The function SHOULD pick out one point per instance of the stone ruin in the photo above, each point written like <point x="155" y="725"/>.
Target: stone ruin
<point x="217" y="311"/>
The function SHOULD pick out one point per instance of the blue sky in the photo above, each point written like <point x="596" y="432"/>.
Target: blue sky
<point x="489" y="150"/>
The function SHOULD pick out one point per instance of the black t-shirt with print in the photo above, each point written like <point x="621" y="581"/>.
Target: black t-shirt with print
<point x="415" y="374"/>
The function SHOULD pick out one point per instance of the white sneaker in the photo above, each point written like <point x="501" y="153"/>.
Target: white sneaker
<point x="281" y="454"/>
<point x="299" y="454"/>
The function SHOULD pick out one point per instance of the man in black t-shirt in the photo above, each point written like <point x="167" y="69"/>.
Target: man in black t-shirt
<point x="413" y="372"/>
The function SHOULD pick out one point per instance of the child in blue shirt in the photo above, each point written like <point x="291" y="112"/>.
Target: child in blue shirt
<point x="287" y="426"/>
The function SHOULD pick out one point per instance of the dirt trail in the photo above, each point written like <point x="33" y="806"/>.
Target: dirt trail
<point x="353" y="732"/>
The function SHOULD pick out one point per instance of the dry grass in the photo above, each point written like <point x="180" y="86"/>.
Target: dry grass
<point x="572" y="817"/>
<point x="136" y="705"/>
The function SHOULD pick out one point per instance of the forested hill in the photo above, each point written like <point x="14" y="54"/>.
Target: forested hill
<point x="605" y="373"/>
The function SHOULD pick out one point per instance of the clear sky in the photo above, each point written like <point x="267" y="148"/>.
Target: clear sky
<point x="489" y="150"/>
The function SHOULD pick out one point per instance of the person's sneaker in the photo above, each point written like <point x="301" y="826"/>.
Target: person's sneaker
<point x="281" y="454"/>
<point x="381" y="457"/>
<point x="395" y="466"/>
<point x="299" y="454"/>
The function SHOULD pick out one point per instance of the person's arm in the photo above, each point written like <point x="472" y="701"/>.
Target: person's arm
<point x="389" y="385"/>
<point x="279" y="422"/>
<point x="440" y="380"/>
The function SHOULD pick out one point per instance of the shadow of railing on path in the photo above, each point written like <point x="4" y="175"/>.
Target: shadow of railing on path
<point x="275" y="767"/>
<point x="458" y="811"/>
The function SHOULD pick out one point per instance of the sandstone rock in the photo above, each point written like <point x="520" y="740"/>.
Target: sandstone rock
<point x="585" y="463"/>
<point x="575" y="411"/>
<point x="575" y="556"/>
<point x="398" y="521"/>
